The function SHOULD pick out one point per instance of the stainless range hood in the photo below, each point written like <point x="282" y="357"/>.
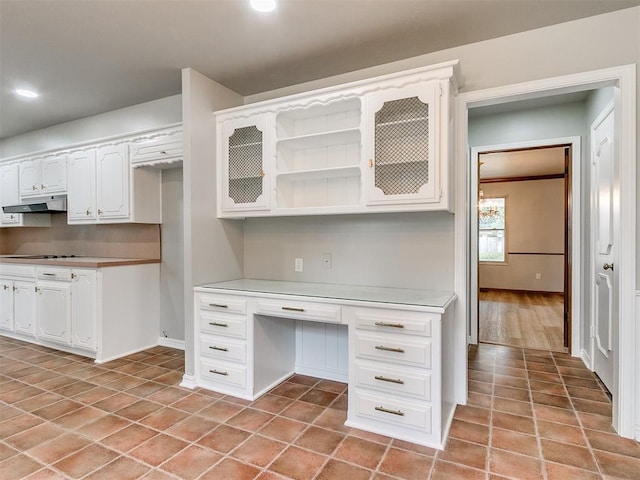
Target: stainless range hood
<point x="50" y="204"/>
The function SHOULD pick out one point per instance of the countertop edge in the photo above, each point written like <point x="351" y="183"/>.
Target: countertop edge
<point x="78" y="263"/>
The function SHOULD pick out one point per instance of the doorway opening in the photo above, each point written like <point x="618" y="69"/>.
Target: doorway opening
<point x="524" y="245"/>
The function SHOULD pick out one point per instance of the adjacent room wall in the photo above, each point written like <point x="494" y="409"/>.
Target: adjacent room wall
<point x="534" y="237"/>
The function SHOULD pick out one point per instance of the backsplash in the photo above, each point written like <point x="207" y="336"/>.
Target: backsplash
<point x="126" y="240"/>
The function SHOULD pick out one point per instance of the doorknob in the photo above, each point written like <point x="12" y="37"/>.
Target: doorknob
<point x="608" y="266"/>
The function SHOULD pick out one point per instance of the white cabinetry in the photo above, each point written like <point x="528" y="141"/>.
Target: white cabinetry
<point x="102" y="188"/>
<point x="162" y="149"/>
<point x="377" y="145"/>
<point x="10" y="195"/>
<point x="246" y="158"/>
<point x="43" y="176"/>
<point x="400" y="351"/>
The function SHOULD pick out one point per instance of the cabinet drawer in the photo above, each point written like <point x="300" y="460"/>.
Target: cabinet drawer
<point x="221" y="303"/>
<point x="401" y="413"/>
<point x="53" y="273"/>
<point x="386" y="378"/>
<point x="395" y="349"/>
<point x="318" y="312"/>
<point x="11" y="270"/>
<point x="394" y="321"/>
<point x="158" y="149"/>
<point x="223" y="349"/>
<point x="227" y="325"/>
<point x="224" y="373"/>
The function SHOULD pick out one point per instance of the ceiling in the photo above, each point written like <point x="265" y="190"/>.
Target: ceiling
<point x="522" y="163"/>
<point x="91" y="56"/>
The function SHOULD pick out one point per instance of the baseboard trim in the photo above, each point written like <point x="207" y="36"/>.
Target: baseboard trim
<point x="586" y="358"/>
<point x="188" y="381"/>
<point x="171" y="343"/>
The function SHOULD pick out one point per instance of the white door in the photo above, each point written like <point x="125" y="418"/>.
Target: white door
<point x="605" y="228"/>
<point x="112" y="167"/>
<point x="24" y="307"/>
<point x="81" y="187"/>
<point x="53" y="308"/>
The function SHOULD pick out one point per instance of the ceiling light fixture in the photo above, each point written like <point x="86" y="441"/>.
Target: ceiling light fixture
<point x="26" y="93"/>
<point x="263" y="5"/>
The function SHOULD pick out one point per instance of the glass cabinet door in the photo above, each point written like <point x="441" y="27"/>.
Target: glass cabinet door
<point x="402" y="150"/>
<point x="245" y="166"/>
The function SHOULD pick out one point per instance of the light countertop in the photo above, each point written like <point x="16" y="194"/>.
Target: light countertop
<point x="438" y="299"/>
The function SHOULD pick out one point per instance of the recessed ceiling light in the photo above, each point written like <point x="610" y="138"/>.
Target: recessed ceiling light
<point x="26" y="93"/>
<point x="263" y="5"/>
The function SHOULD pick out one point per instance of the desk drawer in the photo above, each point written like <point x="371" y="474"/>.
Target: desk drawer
<point x="393" y="321"/>
<point x="224" y="373"/>
<point x="227" y="325"/>
<point x="318" y="312"/>
<point x="393" y="348"/>
<point x="394" y="380"/>
<point x="224" y="349"/>
<point x="413" y="415"/>
<point x="221" y="303"/>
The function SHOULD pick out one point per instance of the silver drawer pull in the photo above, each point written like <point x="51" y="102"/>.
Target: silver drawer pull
<point x="222" y="349"/>
<point x="400" y="413"/>
<point x="293" y="309"/>
<point x="219" y="305"/>
<point x="49" y="274"/>
<point x="217" y="372"/>
<point x="216" y="324"/>
<point x="386" y="324"/>
<point x="390" y="380"/>
<point x="389" y="349"/>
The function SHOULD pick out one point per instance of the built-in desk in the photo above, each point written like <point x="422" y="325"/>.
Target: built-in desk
<point x="393" y="346"/>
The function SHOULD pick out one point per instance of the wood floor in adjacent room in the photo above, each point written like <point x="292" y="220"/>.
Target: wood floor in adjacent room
<point x="521" y="319"/>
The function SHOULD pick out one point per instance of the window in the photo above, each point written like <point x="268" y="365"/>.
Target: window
<point x="491" y="230"/>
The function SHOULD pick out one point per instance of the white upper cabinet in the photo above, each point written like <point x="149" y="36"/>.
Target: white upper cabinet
<point x="402" y="145"/>
<point x="112" y="188"/>
<point x="162" y="149"/>
<point x="81" y="190"/>
<point x="43" y="176"/>
<point x="10" y="195"/>
<point x="245" y="153"/>
<point x="378" y="145"/>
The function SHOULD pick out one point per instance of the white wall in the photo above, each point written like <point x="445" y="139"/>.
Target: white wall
<point x="172" y="319"/>
<point x="144" y="116"/>
<point x="534" y="225"/>
<point x="410" y="250"/>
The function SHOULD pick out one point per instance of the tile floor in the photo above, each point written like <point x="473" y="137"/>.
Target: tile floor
<point x="531" y="415"/>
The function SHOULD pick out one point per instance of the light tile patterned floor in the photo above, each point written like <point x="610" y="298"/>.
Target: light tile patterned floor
<point x="531" y="415"/>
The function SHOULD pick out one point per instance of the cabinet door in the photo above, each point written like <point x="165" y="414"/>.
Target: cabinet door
<point x="54" y="174"/>
<point x="81" y="187"/>
<point x="401" y="145"/>
<point x="83" y="309"/>
<point x="9" y="192"/>
<point x="53" y="308"/>
<point x="6" y="305"/>
<point x="30" y="177"/>
<point x="112" y="173"/>
<point x="246" y="157"/>
<point x="24" y="307"/>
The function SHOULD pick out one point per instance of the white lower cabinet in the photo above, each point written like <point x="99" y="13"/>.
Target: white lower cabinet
<point x="53" y="311"/>
<point x="104" y="313"/>
<point x="251" y="335"/>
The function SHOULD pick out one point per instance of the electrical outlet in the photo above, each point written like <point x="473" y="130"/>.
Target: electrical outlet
<point x="298" y="265"/>
<point x="538" y="276"/>
<point x="325" y="260"/>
